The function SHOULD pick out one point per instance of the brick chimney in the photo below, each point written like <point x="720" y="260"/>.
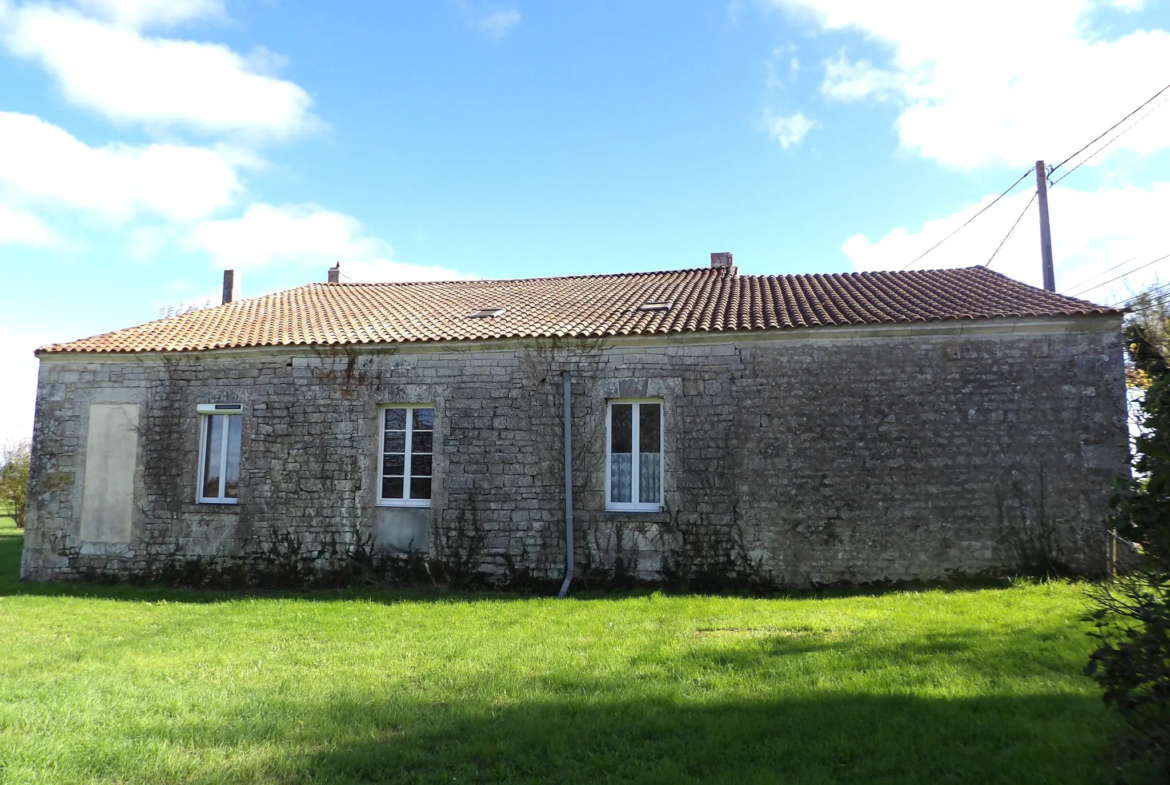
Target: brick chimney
<point x="723" y="260"/>
<point x="231" y="286"/>
<point x="335" y="274"/>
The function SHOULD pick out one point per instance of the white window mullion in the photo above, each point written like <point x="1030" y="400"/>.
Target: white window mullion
<point x="202" y="452"/>
<point x="662" y="452"/>
<point x="609" y="500"/>
<point x="406" y="453"/>
<point x="223" y="455"/>
<point x="381" y="450"/>
<point x="635" y="458"/>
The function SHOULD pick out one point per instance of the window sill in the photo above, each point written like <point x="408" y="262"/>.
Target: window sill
<point x="635" y="508"/>
<point x="416" y="503"/>
<point x="229" y="502"/>
<point x="636" y="516"/>
<point x="199" y="508"/>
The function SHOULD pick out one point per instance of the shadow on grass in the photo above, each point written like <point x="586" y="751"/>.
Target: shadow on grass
<point x="812" y="739"/>
<point x="818" y="739"/>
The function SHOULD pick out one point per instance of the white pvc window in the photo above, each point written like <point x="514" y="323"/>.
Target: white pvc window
<point x="633" y="456"/>
<point x="220" y="427"/>
<point x="406" y="456"/>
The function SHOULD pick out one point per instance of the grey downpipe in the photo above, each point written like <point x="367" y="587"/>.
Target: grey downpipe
<point x="569" y="565"/>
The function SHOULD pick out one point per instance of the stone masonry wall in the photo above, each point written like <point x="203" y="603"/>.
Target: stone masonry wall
<point x="836" y="457"/>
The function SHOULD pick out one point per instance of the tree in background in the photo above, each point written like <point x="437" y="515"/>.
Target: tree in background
<point x="1149" y="311"/>
<point x="14" y="465"/>
<point x="1131" y="617"/>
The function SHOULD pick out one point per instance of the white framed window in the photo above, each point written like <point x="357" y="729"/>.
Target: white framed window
<point x="633" y="455"/>
<point x="406" y="455"/>
<point x="220" y="426"/>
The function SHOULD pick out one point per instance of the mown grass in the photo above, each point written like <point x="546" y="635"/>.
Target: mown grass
<point x="117" y="685"/>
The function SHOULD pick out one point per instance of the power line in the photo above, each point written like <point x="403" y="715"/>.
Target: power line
<point x="1010" y="231"/>
<point x="1125" y="301"/>
<point x="1068" y="292"/>
<point x="1081" y="289"/>
<point x="1153" y="291"/>
<point x="1109" y="129"/>
<point x="1101" y="149"/>
<point x="1129" y="303"/>
<point x="969" y="220"/>
<point x="1049" y="173"/>
<point x="1125" y="275"/>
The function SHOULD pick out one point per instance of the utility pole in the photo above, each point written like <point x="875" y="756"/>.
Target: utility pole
<point x="1045" y="231"/>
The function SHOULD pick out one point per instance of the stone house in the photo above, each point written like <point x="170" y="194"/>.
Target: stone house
<point x="695" y="425"/>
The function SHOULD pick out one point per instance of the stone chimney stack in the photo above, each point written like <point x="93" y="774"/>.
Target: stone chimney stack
<point x="231" y="286"/>
<point x="335" y="274"/>
<point x="722" y="260"/>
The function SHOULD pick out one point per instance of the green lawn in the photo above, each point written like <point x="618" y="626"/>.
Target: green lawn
<point x="117" y="685"/>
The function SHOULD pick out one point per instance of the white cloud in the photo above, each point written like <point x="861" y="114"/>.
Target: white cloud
<point x="128" y="77"/>
<point x="734" y="12"/>
<point x="1128" y="5"/>
<point x="387" y="271"/>
<point x="45" y="163"/>
<point x="21" y="228"/>
<point x="304" y="235"/>
<point x="498" y="24"/>
<point x="1091" y="232"/>
<point x="854" y="81"/>
<point x="788" y="130"/>
<point x="267" y="234"/>
<point x="18" y="369"/>
<point x="974" y="87"/>
<point x="138" y="14"/>
<point x="147" y="243"/>
<point x="495" y="22"/>
<point x="781" y="58"/>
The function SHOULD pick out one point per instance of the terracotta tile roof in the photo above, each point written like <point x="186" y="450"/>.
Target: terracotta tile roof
<point x="701" y="301"/>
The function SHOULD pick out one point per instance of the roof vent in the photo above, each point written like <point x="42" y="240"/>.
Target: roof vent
<point x="487" y="313"/>
<point x="662" y="305"/>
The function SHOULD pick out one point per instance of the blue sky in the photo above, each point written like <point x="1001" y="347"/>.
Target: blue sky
<point x="146" y="145"/>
